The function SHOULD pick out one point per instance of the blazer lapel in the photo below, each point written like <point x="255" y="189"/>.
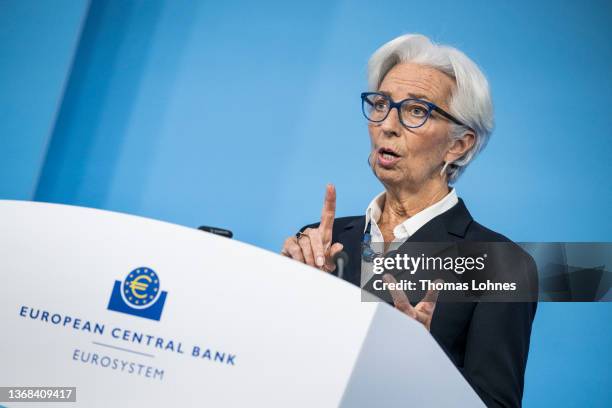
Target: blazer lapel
<point x="448" y="227"/>
<point x="451" y="225"/>
<point x="445" y="229"/>
<point x="351" y="237"/>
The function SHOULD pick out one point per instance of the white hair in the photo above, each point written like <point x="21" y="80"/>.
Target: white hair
<point x="470" y="101"/>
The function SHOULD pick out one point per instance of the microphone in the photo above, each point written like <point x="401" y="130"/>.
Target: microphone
<point x="341" y="259"/>
<point x="217" y="231"/>
<point x="370" y="164"/>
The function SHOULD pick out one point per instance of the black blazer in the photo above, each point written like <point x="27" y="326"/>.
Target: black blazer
<point x="488" y="342"/>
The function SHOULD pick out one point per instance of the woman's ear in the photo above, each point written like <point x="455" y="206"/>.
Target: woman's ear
<point x="460" y="147"/>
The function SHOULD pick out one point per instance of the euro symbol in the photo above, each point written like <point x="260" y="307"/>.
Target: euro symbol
<point x="137" y="286"/>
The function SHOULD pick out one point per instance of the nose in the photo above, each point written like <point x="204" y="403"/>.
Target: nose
<point x="391" y="126"/>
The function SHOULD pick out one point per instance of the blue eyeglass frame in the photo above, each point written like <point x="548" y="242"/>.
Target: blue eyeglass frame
<point x="392" y="104"/>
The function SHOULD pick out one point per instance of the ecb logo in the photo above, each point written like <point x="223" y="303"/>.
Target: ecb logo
<point x="139" y="294"/>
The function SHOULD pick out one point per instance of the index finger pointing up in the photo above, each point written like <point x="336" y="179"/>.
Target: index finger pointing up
<point x="328" y="214"/>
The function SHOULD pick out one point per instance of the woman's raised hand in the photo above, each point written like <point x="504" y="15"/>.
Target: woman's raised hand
<point x="313" y="246"/>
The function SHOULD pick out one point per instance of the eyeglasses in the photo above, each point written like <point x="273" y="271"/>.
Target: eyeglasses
<point x="413" y="113"/>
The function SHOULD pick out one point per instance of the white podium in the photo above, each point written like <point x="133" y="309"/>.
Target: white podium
<point x="138" y="312"/>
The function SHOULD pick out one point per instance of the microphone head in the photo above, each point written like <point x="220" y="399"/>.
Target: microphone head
<point x="217" y="231"/>
<point x="341" y="255"/>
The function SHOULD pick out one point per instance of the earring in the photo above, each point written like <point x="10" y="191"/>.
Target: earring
<point x="444" y="168"/>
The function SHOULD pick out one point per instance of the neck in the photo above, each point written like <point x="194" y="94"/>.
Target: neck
<point x="402" y="203"/>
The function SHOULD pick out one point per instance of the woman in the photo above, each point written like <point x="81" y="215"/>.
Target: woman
<point x="430" y="113"/>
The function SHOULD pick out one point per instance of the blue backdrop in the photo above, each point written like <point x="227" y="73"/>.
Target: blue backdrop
<point x="237" y="113"/>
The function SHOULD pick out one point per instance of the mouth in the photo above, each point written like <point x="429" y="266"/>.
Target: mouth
<point x="387" y="157"/>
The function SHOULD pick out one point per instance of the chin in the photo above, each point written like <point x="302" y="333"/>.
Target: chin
<point x="389" y="176"/>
